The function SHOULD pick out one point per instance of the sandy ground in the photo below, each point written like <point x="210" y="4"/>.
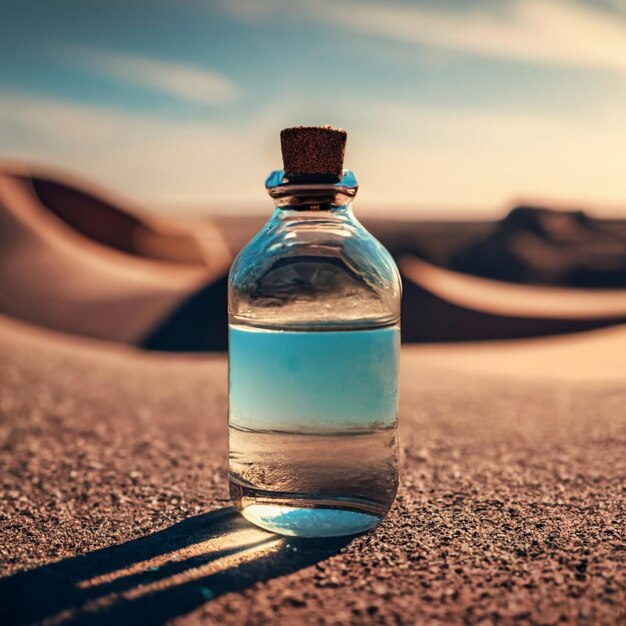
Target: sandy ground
<point x="511" y="508"/>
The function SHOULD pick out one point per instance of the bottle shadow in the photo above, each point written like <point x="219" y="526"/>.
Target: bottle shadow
<point x="160" y="576"/>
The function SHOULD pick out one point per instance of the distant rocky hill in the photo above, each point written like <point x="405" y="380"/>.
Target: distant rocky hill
<point x="544" y="246"/>
<point x="531" y="245"/>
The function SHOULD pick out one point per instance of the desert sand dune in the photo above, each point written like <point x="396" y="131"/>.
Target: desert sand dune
<point x="56" y="272"/>
<point x="491" y="296"/>
<point x="74" y="258"/>
<point x="441" y="305"/>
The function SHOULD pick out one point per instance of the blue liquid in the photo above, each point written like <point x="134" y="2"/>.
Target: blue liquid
<point x="312" y="428"/>
<point x="313" y="381"/>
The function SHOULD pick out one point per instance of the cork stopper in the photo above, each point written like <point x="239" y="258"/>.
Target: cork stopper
<point x="313" y="154"/>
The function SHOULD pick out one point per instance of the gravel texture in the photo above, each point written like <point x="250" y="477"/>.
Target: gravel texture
<point x="511" y="507"/>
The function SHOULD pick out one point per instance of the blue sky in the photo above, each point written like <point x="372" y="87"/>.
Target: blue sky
<point x="450" y="106"/>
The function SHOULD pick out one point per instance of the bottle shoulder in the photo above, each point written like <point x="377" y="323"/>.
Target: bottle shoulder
<point x="324" y="268"/>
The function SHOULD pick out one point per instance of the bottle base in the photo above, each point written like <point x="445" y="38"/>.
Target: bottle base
<point x="306" y="521"/>
<point x="304" y="515"/>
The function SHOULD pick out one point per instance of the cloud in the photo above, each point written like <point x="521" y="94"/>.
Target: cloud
<point x="543" y="31"/>
<point x="403" y="154"/>
<point x="456" y="160"/>
<point x="184" y="81"/>
<point x="154" y="158"/>
<point x="555" y="32"/>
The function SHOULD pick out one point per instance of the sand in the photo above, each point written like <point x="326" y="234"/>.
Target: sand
<point x="511" y="507"/>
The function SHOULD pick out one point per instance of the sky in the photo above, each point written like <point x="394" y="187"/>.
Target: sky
<point x="457" y="107"/>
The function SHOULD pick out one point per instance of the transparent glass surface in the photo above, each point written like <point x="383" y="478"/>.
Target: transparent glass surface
<point x="314" y="311"/>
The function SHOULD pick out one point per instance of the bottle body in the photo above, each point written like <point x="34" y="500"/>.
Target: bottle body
<point x="314" y="305"/>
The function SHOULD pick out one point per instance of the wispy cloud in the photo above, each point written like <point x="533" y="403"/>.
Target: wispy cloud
<point x="546" y="31"/>
<point x="435" y="157"/>
<point x="154" y="158"/>
<point x="185" y="81"/>
<point x="447" y="157"/>
<point x="556" y="32"/>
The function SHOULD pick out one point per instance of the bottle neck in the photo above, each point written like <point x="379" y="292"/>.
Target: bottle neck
<point x="314" y="212"/>
<point x="312" y="197"/>
<point x="317" y="207"/>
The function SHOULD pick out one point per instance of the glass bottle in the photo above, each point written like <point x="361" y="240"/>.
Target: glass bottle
<point x="314" y="336"/>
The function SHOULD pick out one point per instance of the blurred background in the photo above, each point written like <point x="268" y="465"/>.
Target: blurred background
<point x="488" y="137"/>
